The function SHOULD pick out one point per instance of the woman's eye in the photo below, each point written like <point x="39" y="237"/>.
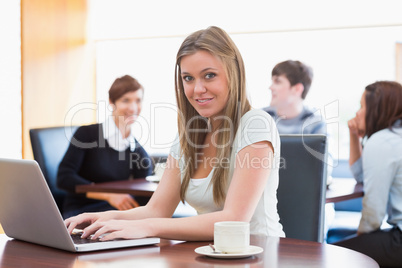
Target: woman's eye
<point x="187" y="78"/>
<point x="210" y="75"/>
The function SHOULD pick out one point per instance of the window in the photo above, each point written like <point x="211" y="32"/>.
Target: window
<point x="344" y="62"/>
<point x="10" y="80"/>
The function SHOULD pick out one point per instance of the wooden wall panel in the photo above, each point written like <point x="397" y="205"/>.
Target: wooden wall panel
<point x="57" y="64"/>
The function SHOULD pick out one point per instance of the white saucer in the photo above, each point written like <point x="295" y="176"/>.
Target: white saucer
<point x="153" y="178"/>
<point x="207" y="251"/>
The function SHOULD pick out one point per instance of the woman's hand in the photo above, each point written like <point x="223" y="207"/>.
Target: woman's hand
<point x="122" y="201"/>
<point x="355" y="150"/>
<point x="114" y="229"/>
<point x="86" y="219"/>
<point x="353" y="128"/>
<point x="352" y="124"/>
<point x="118" y="201"/>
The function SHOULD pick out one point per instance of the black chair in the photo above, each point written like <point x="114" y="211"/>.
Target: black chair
<point x="49" y="146"/>
<point x="302" y="186"/>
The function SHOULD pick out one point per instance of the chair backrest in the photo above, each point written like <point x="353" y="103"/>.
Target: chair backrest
<point x="49" y="146"/>
<point x="302" y="186"/>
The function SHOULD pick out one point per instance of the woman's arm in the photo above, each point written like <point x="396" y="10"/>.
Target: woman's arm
<point x="245" y="190"/>
<point x="162" y="203"/>
<point x="68" y="178"/>
<point x="355" y="150"/>
<point x="379" y="170"/>
<point x="119" y="201"/>
<point x="67" y="175"/>
<point x="141" y="167"/>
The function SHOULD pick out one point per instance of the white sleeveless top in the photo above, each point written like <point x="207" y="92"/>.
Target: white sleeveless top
<point x="255" y="126"/>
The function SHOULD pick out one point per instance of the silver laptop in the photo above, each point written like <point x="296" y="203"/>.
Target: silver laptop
<point x="28" y="211"/>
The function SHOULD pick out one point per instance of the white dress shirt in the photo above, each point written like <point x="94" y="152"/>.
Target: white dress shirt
<point x="114" y="137"/>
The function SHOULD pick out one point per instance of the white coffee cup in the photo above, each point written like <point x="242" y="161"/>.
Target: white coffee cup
<point x="232" y="236"/>
<point x="159" y="169"/>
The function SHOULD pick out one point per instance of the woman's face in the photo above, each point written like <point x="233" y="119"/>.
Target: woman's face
<point x="361" y="115"/>
<point x="128" y="107"/>
<point x="205" y="83"/>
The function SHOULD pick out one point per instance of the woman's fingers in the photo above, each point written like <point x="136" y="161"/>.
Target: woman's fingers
<point x="77" y="222"/>
<point x="134" y="203"/>
<point x="111" y="236"/>
<point x="114" y="229"/>
<point x="70" y="226"/>
<point x="122" y="201"/>
<point x="91" y="229"/>
<point x="352" y="124"/>
<point x="103" y="230"/>
<point x="128" y="203"/>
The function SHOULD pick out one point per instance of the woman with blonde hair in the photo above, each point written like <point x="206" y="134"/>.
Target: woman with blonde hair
<point x="225" y="163"/>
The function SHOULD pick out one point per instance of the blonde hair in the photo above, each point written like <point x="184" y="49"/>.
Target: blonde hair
<point x="217" y="42"/>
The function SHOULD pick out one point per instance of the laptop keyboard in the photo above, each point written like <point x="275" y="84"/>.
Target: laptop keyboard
<point x="78" y="240"/>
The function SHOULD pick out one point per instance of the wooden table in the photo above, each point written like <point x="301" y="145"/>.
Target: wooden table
<point x="278" y="252"/>
<point x="340" y="189"/>
<point x="139" y="187"/>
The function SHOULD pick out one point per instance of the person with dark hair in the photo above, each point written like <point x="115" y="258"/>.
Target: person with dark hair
<point x="378" y="165"/>
<point x="224" y="164"/>
<point x="291" y="81"/>
<point x="106" y="152"/>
